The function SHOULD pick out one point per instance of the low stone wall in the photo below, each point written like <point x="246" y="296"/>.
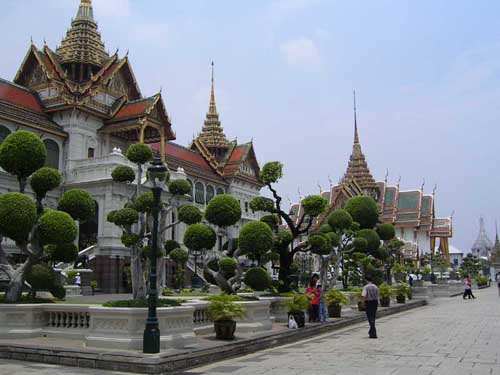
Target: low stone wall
<point x="439" y="290"/>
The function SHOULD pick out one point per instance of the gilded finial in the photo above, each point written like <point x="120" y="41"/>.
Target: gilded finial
<point x="356" y="138"/>
<point x="330" y="182"/>
<point x="319" y="187"/>
<point x="399" y="180"/>
<point x="386" y="175"/>
<point x="434" y="189"/>
<point x="31" y="37"/>
<point x="423" y="184"/>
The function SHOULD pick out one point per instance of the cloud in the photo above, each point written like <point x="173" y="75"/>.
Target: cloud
<point x="301" y="53"/>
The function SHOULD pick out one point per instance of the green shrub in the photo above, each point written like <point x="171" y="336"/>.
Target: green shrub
<point x="214" y="266"/>
<point x="284" y="239"/>
<point x="22" y="153"/>
<point x="257" y="278"/>
<point x="179" y="187"/>
<point x="319" y="243"/>
<point x="147" y="252"/>
<point x="144" y="202"/>
<point x="325" y="228"/>
<point x="179" y="256"/>
<point x="402" y="289"/>
<point x="481" y="280"/>
<point x="270" y="257"/>
<point x="363" y="210"/>
<point x="386" y="231"/>
<point x="271" y="172"/>
<point x="40" y="277"/>
<point x="123" y="174"/>
<point x="262" y="204"/>
<point x="56" y="227"/>
<point x="400" y="268"/>
<point x="340" y="220"/>
<point x="190" y="214"/>
<point x="66" y="252"/>
<point x="44" y="180"/>
<point x="256" y="238"/>
<point x="227" y="265"/>
<point x="298" y="302"/>
<point x="142" y="303"/>
<point x="223" y="307"/>
<point x="58" y="291"/>
<point x="314" y="205"/>
<point x="335" y="297"/>
<point x="334" y="239"/>
<point x="223" y="210"/>
<point x="17" y="216"/>
<point x="125" y="217"/>
<point x="139" y="153"/>
<point x="78" y="203"/>
<point x="130" y="239"/>
<point x="371" y="237"/>
<point x="170" y="245"/>
<point x="272" y="220"/>
<point x="199" y="237"/>
<point x="385" y="291"/>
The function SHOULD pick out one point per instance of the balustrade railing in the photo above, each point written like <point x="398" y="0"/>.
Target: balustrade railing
<point x="69" y="319"/>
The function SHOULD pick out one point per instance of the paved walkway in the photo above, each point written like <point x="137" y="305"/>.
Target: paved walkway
<point x="451" y="336"/>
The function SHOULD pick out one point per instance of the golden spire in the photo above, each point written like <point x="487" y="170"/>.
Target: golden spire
<point x="212" y="134"/>
<point x="83" y="44"/>
<point x="357" y="168"/>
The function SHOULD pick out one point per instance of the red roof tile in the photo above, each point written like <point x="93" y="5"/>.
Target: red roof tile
<point x="16" y="95"/>
<point x="133" y="109"/>
<point x="183" y="153"/>
<point x="237" y="153"/>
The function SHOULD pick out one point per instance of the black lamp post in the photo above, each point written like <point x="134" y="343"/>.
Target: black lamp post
<point x="151" y="341"/>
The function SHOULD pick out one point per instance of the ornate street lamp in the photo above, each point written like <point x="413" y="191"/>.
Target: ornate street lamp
<point x="151" y="340"/>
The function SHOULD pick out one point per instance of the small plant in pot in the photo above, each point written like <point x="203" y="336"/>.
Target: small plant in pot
<point x="335" y="299"/>
<point x="385" y="292"/>
<point x="359" y="298"/>
<point x="402" y="290"/>
<point x="296" y="306"/>
<point x="222" y="309"/>
<point x="399" y="272"/>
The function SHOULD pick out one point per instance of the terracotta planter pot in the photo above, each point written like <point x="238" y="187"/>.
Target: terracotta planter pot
<point x="334" y="310"/>
<point x="361" y="306"/>
<point x="300" y="318"/>
<point x="385" y="301"/>
<point x="224" y="329"/>
<point x="401" y="299"/>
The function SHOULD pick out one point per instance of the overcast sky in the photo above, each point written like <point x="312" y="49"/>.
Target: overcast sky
<point x="426" y="73"/>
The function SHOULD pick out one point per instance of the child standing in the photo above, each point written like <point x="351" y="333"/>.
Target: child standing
<point x="323" y="311"/>
<point x="313" y="299"/>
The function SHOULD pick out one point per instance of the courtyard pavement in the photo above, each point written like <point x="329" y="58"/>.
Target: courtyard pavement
<point x="450" y="336"/>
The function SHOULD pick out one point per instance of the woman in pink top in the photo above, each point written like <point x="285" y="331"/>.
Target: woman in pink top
<point x="313" y="298"/>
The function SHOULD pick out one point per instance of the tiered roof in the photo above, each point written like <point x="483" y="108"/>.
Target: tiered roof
<point x="83" y="43"/>
<point x="483" y="245"/>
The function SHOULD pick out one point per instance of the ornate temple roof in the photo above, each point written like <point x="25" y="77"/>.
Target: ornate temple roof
<point x="483" y="245"/>
<point x="357" y="169"/>
<point x="83" y="43"/>
<point x="212" y="134"/>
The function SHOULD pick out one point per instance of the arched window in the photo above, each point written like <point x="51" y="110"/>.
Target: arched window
<point x="220" y="191"/>
<point x="52" y="159"/>
<point x="89" y="230"/>
<point x="210" y="193"/>
<point x="199" y="193"/>
<point x="4" y="132"/>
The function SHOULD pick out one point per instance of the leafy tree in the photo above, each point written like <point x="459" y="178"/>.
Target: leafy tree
<point x="470" y="266"/>
<point x="135" y="218"/>
<point x="312" y="205"/>
<point x="363" y="210"/>
<point x="255" y="240"/>
<point x="180" y="257"/>
<point x="257" y="278"/>
<point x="27" y="222"/>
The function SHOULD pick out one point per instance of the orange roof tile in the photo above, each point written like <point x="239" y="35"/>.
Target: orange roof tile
<point x="133" y="109"/>
<point x="19" y="96"/>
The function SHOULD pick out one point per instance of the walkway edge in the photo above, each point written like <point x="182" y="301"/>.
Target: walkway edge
<point x="168" y="363"/>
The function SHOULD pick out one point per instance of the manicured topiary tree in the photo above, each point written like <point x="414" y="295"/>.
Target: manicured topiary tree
<point x="135" y="217"/>
<point x="313" y="206"/>
<point x="26" y="222"/>
<point x="363" y="210"/>
<point x="180" y="257"/>
<point x="255" y="240"/>
<point x="257" y="278"/>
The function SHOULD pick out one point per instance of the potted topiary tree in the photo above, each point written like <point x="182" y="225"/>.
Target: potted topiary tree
<point x="402" y="290"/>
<point x="222" y="309"/>
<point x="335" y="299"/>
<point x="385" y="293"/>
<point x="297" y="304"/>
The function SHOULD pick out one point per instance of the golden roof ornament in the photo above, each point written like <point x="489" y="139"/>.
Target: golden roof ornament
<point x="357" y="168"/>
<point x="83" y="43"/>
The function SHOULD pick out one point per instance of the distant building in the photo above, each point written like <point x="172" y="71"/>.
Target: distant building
<point x="456" y="257"/>
<point x="482" y="246"/>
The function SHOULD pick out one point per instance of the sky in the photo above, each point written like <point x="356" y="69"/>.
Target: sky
<point x="426" y="75"/>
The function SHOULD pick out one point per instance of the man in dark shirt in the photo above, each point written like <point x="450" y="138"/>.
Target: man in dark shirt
<point x="370" y="297"/>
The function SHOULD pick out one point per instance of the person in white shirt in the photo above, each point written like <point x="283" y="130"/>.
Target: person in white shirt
<point x="370" y="298"/>
<point x="78" y="279"/>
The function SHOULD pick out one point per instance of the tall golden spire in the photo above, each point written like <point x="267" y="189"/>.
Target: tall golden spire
<point x="212" y="134"/>
<point x="357" y="169"/>
<point x="83" y="44"/>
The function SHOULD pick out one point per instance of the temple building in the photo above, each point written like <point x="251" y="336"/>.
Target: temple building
<point x="87" y="107"/>
<point x="411" y="212"/>
<point x="483" y="246"/>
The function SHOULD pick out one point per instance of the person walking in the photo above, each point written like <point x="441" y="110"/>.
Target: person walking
<point x="370" y="298"/>
<point x="468" y="289"/>
<point x="313" y="298"/>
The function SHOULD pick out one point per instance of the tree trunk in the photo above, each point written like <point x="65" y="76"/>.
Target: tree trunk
<point x="137" y="275"/>
<point x="16" y="283"/>
<point x="286" y="260"/>
<point x="323" y="270"/>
